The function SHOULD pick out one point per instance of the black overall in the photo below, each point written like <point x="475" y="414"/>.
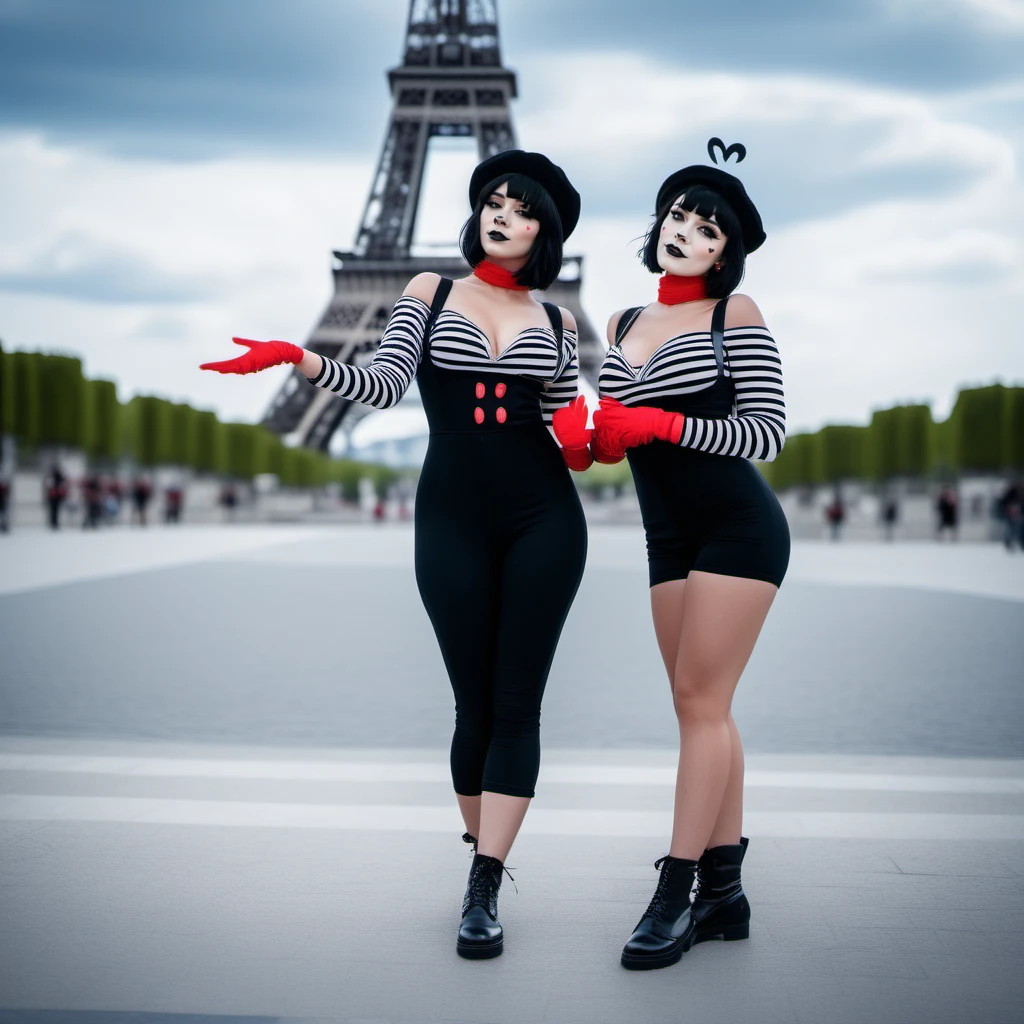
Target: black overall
<point x="500" y="547"/>
<point x="713" y="513"/>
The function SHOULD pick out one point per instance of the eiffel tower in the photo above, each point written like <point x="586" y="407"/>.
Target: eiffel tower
<point x="451" y="83"/>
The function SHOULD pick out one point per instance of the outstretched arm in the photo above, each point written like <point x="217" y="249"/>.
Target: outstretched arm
<point x="380" y="384"/>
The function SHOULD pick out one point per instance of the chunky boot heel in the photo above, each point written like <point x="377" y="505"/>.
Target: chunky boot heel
<point x="467" y="838"/>
<point x="665" y="932"/>
<point x="720" y="908"/>
<point x="480" y="933"/>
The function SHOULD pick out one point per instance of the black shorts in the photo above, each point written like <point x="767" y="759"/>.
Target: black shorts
<point x="713" y="513"/>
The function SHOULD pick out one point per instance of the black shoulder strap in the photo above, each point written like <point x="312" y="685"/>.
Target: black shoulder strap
<point x="444" y="286"/>
<point x="626" y="321"/>
<point x="718" y="333"/>
<point x="555" y="316"/>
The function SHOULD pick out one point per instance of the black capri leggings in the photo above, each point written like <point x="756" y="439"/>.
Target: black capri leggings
<point x="500" y="547"/>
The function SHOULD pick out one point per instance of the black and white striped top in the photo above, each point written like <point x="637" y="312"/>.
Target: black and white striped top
<point x="685" y="364"/>
<point x="456" y="343"/>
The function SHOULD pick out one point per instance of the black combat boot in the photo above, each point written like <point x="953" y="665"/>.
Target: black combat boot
<point x="720" y="908"/>
<point x="665" y="932"/>
<point x="480" y="934"/>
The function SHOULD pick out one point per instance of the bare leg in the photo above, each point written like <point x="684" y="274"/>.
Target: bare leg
<point x="470" y="808"/>
<point x="501" y="817"/>
<point x="667" y="611"/>
<point x="721" y="619"/>
<point x="729" y="825"/>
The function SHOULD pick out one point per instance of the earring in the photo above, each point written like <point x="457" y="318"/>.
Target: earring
<point x="718" y="267"/>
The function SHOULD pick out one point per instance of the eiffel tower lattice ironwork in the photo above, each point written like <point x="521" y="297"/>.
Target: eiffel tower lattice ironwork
<point x="450" y="83"/>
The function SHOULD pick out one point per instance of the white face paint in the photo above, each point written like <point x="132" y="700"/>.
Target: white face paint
<point x="507" y="231"/>
<point x="689" y="245"/>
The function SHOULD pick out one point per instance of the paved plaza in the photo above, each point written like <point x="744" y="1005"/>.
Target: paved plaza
<point x="224" y="793"/>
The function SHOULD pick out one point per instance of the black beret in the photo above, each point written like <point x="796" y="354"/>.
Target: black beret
<point x="730" y="188"/>
<point x="541" y="170"/>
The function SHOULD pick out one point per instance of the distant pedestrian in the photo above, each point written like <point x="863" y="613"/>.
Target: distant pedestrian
<point x="890" y="516"/>
<point x="948" y="511"/>
<point x="1011" y="511"/>
<point x="378" y="511"/>
<point x="229" y="500"/>
<point x="835" y="513"/>
<point x="142" y="491"/>
<point x="113" y="494"/>
<point x="5" y="498"/>
<point x="55" y="488"/>
<point x="92" y="500"/>
<point x="174" y="497"/>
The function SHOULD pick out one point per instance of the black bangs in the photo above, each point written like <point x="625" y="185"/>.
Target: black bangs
<point x="706" y="203"/>
<point x="545" y="259"/>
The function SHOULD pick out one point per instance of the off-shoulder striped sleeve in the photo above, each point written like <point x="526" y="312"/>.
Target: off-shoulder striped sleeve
<point x="383" y="382"/>
<point x="565" y="385"/>
<point x="758" y="430"/>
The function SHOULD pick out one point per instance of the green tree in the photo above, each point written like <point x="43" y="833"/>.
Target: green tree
<point x="102" y="427"/>
<point x="799" y="464"/>
<point x="184" y="436"/>
<point x="62" y="401"/>
<point x="211" y="447"/>
<point x="8" y="393"/>
<point x="979" y="426"/>
<point x="843" y="453"/>
<point x="900" y="442"/>
<point x="1013" y="434"/>
<point x="151" y="427"/>
<point x="28" y="404"/>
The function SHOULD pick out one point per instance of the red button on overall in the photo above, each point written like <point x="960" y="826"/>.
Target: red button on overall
<point x="501" y="414"/>
<point x="478" y="414"/>
<point x="499" y="390"/>
<point x="480" y="391"/>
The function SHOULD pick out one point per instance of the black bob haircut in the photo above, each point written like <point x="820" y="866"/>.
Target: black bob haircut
<point x="705" y="202"/>
<point x="545" y="259"/>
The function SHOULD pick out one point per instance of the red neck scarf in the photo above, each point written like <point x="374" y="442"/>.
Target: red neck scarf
<point x="491" y="273"/>
<point x="673" y="289"/>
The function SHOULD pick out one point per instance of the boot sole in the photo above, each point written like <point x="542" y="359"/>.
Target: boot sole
<point x="652" y="961"/>
<point x="480" y="950"/>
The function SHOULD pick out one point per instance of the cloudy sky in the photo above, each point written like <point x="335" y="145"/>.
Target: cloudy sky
<point x="175" y="173"/>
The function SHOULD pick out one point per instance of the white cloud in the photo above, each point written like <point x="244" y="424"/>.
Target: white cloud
<point x="255" y="234"/>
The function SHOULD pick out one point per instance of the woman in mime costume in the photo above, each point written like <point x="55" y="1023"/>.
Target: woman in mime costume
<point x="691" y="391"/>
<point x="500" y="535"/>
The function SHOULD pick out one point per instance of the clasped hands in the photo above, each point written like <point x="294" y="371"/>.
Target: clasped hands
<point x="616" y="428"/>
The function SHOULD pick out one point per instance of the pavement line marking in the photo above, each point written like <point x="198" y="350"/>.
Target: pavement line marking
<point x="428" y="771"/>
<point x="540" y="821"/>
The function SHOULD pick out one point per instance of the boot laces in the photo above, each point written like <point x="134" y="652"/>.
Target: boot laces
<point x="659" y="901"/>
<point x="483" y="886"/>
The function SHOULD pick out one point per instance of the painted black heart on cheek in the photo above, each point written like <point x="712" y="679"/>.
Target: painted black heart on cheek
<point x="737" y="147"/>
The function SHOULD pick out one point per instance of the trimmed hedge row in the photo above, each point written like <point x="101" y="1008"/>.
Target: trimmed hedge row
<point x="983" y="434"/>
<point x="46" y="400"/>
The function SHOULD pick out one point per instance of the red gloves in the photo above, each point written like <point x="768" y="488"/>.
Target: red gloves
<point x="261" y="354"/>
<point x="621" y="426"/>
<point x="605" y="447"/>
<point x="570" y="426"/>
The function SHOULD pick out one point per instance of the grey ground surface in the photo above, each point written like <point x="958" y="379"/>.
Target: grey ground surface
<point x="223" y="792"/>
